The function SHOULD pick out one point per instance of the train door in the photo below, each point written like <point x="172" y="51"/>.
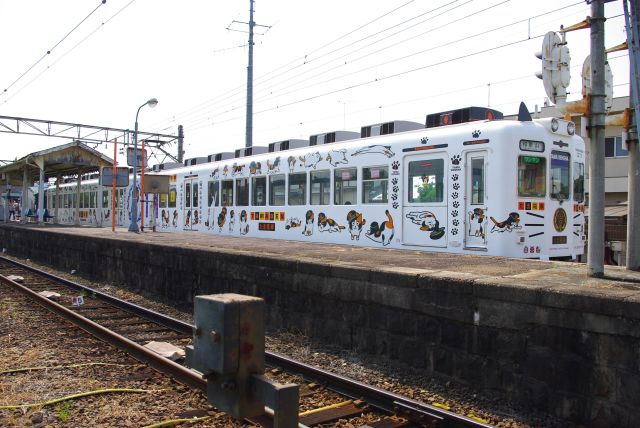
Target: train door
<point x="476" y="200"/>
<point x="190" y="192"/>
<point x="424" y="211"/>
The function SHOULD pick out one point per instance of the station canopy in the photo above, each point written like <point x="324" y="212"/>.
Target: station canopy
<point x="68" y="159"/>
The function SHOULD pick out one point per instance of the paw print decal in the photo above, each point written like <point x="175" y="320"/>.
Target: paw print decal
<point x="395" y="188"/>
<point x="456" y="222"/>
<point x="395" y="165"/>
<point x="394" y="196"/>
<point x="454" y="213"/>
<point x="454" y="231"/>
<point x="424" y="140"/>
<point x="476" y="133"/>
<point x="455" y="177"/>
<point x="395" y="205"/>
<point x="455" y="160"/>
<point x="454" y="195"/>
<point x="394" y="181"/>
<point x="456" y="186"/>
<point x="456" y="204"/>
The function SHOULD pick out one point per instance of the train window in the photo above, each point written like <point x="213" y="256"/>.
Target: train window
<point x="345" y="181"/>
<point x="375" y="182"/>
<point x="531" y="176"/>
<point x="163" y="200"/>
<point x="298" y="188"/>
<point x="85" y="200"/>
<point x="227" y="193"/>
<point x="560" y="162"/>
<point x="93" y="196"/>
<point x="276" y="190"/>
<point x="242" y="192"/>
<point x="213" y="199"/>
<point x="106" y="202"/>
<point x="578" y="181"/>
<point x="172" y="196"/>
<point x="259" y="191"/>
<point x="477" y="181"/>
<point x="426" y="181"/>
<point x="320" y="187"/>
<point x="187" y="194"/>
<point x="195" y="195"/>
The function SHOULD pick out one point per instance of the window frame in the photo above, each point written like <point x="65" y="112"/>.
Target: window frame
<point x="339" y="193"/>
<point x="385" y="186"/>
<point x="302" y="183"/>
<point x="439" y="185"/>
<point x="322" y="191"/>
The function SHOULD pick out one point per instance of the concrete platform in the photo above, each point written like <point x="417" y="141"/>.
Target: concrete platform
<point x="544" y="333"/>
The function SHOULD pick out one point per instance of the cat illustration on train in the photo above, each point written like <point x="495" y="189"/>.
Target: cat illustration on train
<point x="512" y="222"/>
<point x="326" y="224"/>
<point x="355" y="223"/>
<point x="381" y="232"/>
<point x="427" y="222"/>
<point x="244" y="227"/>
<point x="308" y="223"/>
<point x="375" y="149"/>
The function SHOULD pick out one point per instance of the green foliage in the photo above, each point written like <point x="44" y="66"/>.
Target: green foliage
<point x="427" y="192"/>
<point x="63" y="411"/>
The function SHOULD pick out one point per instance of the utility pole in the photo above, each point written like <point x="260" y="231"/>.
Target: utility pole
<point x="252" y="25"/>
<point x="249" y="128"/>
<point x="180" y="143"/>
<point x="596" y="143"/>
<point x="633" y="200"/>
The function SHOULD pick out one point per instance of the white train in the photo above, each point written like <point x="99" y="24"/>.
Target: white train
<point x="478" y="185"/>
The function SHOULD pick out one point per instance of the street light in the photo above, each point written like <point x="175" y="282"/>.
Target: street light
<point x="133" y="226"/>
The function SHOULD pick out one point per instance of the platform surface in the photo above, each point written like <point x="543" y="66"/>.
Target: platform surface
<point x="617" y="282"/>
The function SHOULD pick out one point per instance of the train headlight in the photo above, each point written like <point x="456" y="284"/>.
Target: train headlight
<point x="571" y="128"/>
<point x="554" y="124"/>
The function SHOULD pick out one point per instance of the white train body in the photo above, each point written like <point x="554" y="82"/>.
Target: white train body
<point x="501" y="188"/>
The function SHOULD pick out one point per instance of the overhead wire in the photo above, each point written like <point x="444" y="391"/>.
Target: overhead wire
<point x="48" y="52"/>
<point x="68" y="51"/>
<point x="210" y="115"/>
<point x="340" y="77"/>
<point x="242" y="88"/>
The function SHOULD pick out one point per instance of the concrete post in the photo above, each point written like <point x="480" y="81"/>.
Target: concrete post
<point x="76" y="220"/>
<point x="596" y="144"/>
<point x="99" y="196"/>
<point x="633" y="198"/>
<point x="58" y="200"/>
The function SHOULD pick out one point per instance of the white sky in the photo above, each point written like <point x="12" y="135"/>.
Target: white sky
<point x="182" y="53"/>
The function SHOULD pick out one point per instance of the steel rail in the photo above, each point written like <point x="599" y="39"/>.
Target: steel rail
<point x="382" y="399"/>
<point x="164" y="365"/>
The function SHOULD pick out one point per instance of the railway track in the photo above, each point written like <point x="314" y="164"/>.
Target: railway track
<point x="129" y="326"/>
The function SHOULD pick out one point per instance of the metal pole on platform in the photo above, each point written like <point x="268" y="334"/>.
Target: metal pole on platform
<point x="133" y="226"/>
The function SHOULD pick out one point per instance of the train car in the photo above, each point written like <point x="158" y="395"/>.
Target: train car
<point x="468" y="182"/>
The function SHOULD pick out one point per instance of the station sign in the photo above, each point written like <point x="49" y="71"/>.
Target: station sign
<point x="156" y="183"/>
<point x="141" y="154"/>
<point x="122" y="176"/>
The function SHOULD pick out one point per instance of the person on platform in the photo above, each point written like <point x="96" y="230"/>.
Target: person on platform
<point x="12" y="211"/>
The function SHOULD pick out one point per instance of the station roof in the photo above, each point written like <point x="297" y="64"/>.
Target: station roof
<point x="71" y="158"/>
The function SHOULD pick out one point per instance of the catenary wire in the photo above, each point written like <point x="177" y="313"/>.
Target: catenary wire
<point x="68" y="52"/>
<point x="51" y="49"/>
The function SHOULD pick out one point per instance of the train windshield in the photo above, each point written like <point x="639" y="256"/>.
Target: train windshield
<point x="560" y="162"/>
<point x="531" y="176"/>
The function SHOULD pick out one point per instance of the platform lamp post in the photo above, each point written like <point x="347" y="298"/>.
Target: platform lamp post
<point x="133" y="226"/>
